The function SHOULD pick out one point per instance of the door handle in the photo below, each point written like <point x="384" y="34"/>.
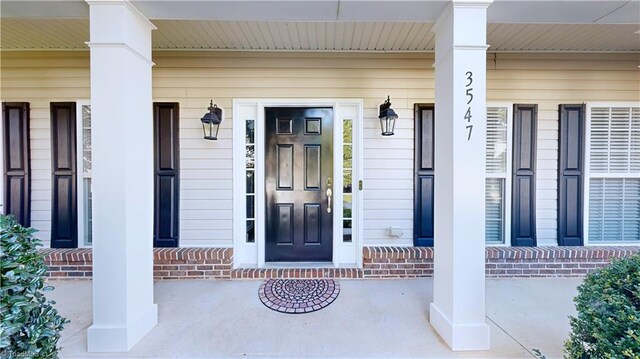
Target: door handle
<point x="329" y="193"/>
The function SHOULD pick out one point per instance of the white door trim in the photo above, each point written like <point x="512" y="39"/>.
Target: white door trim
<point x="252" y="255"/>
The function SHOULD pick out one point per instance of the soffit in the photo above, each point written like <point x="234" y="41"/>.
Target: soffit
<point x="71" y="34"/>
<point x="501" y="11"/>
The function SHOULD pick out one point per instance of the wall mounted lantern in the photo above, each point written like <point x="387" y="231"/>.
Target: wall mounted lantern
<point x="388" y="118"/>
<point x="211" y="122"/>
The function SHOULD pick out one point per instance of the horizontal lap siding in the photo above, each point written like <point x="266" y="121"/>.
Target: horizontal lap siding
<point x="192" y="78"/>
<point x="41" y="78"/>
<point x="550" y="80"/>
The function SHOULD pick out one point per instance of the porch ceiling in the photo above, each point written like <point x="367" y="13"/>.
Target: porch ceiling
<point x="71" y="34"/>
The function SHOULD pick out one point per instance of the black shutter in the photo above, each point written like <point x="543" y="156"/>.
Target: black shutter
<point x="17" y="160"/>
<point x="166" y="170"/>
<point x="523" y="213"/>
<point x="570" y="175"/>
<point x="64" y="210"/>
<point x="423" y="175"/>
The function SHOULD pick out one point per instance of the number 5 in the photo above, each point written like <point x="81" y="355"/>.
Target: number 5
<point x="470" y="95"/>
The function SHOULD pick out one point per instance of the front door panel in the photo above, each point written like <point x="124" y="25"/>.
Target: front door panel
<point x="299" y="184"/>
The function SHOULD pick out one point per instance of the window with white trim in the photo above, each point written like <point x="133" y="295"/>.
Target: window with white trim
<point x="614" y="175"/>
<point x="496" y="174"/>
<point x="85" y="175"/>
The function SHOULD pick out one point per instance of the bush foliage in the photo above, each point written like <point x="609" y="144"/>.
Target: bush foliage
<point x="608" y="305"/>
<point x="29" y="324"/>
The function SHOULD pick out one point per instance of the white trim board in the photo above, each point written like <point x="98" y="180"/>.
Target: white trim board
<point x="252" y="255"/>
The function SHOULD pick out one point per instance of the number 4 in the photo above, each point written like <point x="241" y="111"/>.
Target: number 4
<point x="467" y="115"/>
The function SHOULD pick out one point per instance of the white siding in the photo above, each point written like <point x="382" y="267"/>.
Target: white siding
<point x="193" y="78"/>
<point x="41" y="78"/>
<point x="550" y="80"/>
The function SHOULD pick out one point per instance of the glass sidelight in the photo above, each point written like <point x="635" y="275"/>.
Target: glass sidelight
<point x="347" y="180"/>
<point x="250" y="171"/>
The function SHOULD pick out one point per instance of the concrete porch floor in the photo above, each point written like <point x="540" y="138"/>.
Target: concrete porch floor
<point x="369" y="319"/>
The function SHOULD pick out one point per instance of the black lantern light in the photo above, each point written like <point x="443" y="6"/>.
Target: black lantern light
<point x="211" y="122"/>
<point x="388" y="118"/>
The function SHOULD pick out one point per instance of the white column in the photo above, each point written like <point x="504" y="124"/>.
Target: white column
<point x="122" y="144"/>
<point x="458" y="310"/>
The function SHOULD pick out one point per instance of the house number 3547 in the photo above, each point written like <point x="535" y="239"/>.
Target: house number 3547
<point x="469" y="93"/>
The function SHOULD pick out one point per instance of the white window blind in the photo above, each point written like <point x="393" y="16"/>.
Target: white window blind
<point x="614" y="179"/>
<point x="496" y="170"/>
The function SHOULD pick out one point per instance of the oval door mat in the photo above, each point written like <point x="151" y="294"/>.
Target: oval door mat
<point x="297" y="296"/>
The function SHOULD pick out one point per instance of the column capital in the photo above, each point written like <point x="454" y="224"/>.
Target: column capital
<point x="462" y="24"/>
<point x="472" y="3"/>
<point x="129" y="6"/>
<point x="117" y="23"/>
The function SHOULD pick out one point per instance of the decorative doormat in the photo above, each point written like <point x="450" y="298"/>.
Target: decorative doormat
<point x="297" y="296"/>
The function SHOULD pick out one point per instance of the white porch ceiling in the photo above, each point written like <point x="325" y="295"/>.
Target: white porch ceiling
<point x="71" y="34"/>
<point x="501" y="11"/>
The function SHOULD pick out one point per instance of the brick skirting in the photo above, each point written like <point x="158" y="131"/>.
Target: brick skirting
<point x="378" y="262"/>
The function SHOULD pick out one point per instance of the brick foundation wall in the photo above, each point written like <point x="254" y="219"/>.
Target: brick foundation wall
<point x="378" y="262"/>
<point x="397" y="262"/>
<point x="407" y="262"/>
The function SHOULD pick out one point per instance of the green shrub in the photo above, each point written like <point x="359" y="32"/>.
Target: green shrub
<point x="608" y="304"/>
<point x="29" y="324"/>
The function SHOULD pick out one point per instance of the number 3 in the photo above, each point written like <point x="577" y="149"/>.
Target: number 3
<point x="470" y="78"/>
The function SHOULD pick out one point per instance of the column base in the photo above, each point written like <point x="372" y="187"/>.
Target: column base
<point x="111" y="339"/>
<point x="459" y="337"/>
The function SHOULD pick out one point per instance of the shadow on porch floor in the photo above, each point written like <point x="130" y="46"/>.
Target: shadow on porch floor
<point x="369" y="319"/>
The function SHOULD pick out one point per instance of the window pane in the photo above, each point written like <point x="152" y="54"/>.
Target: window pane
<point x="494" y="206"/>
<point x="86" y="116"/>
<point x="347" y="181"/>
<point x="615" y="140"/>
<point x="251" y="231"/>
<point x="86" y="161"/>
<point x="496" y="152"/>
<point x="614" y="209"/>
<point x="86" y="138"/>
<point x="347" y="131"/>
<point x="250" y="181"/>
<point x="250" y="131"/>
<point x="347" y="155"/>
<point x="250" y="156"/>
<point x="347" y="205"/>
<point x="87" y="215"/>
<point x="250" y="207"/>
<point x="347" y="230"/>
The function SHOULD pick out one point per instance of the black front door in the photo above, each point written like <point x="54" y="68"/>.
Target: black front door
<point x="298" y="184"/>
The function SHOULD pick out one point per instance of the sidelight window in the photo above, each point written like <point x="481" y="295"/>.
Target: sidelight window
<point x="347" y="166"/>
<point x="496" y="174"/>
<point x="84" y="178"/>
<point x="250" y="172"/>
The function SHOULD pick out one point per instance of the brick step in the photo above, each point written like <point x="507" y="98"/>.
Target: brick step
<point x="334" y="273"/>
